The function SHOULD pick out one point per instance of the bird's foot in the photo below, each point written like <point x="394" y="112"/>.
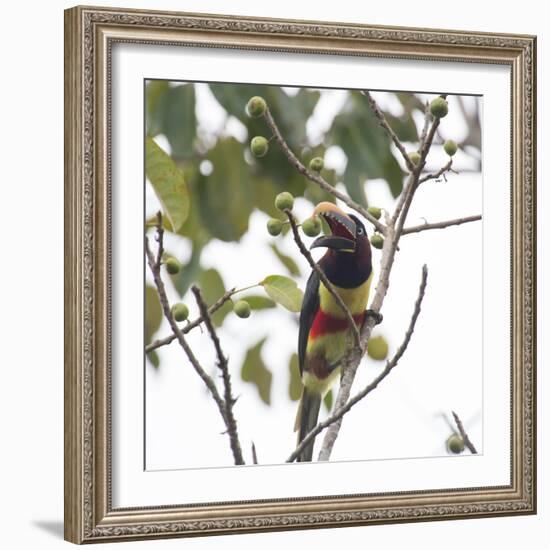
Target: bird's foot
<point x="378" y="317"/>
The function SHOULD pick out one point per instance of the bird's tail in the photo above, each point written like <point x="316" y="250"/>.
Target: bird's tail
<point x="306" y="420"/>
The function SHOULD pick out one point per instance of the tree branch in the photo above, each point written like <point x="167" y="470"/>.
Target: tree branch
<point x="390" y="365"/>
<point x="154" y="265"/>
<point x="316" y="178"/>
<point x="440" y="225"/>
<point x="229" y="401"/>
<point x="394" y="229"/>
<point x="193" y="324"/>
<point x="329" y="286"/>
<point x="463" y="434"/>
<point x="389" y="130"/>
<point x="437" y="174"/>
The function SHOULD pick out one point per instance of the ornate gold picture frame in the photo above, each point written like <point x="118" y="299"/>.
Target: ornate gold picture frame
<point x="90" y="36"/>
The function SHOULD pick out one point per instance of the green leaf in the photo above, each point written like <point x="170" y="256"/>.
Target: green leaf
<point x="284" y="291"/>
<point x="154" y="100"/>
<point x="257" y="302"/>
<point x="153" y="313"/>
<point x="179" y="121"/>
<point x="189" y="272"/>
<point x="367" y="148"/>
<point x="295" y="382"/>
<point x="154" y="359"/>
<point x="287" y="261"/>
<point x="168" y="182"/>
<point x="327" y="401"/>
<point x="211" y="284"/>
<point x="291" y="114"/>
<point x="254" y="371"/>
<point x="225" y="196"/>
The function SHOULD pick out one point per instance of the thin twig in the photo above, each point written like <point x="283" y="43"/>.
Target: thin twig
<point x="390" y="365"/>
<point x="427" y="119"/>
<point x="437" y="174"/>
<point x="424" y="150"/>
<point x="463" y="434"/>
<point x="193" y="324"/>
<point x="254" y="454"/>
<point x="316" y="178"/>
<point x="229" y="401"/>
<point x="440" y="225"/>
<point x="160" y="239"/>
<point x="329" y="286"/>
<point x="415" y="172"/>
<point x="389" y="130"/>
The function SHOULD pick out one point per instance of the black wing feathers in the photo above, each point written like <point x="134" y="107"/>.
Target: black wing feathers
<point x="310" y="305"/>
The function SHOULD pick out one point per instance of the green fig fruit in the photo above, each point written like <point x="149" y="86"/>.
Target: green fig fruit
<point x="180" y="312"/>
<point x="284" y="201"/>
<point x="377" y="348"/>
<point x="316" y="164"/>
<point x="256" y="106"/>
<point x="274" y="226"/>
<point x="439" y="107"/>
<point x="450" y="147"/>
<point x="242" y="309"/>
<point x="173" y="265"/>
<point x="311" y="227"/>
<point x="259" y="146"/>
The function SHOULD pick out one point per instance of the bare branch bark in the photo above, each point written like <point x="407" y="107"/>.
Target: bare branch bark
<point x="463" y="434"/>
<point x="229" y="401"/>
<point x="193" y="324"/>
<point x="390" y="365"/>
<point x="329" y="286"/>
<point x="155" y="265"/>
<point x="254" y="454"/>
<point x="391" y="241"/>
<point x="389" y="130"/>
<point x="437" y="174"/>
<point x="440" y="225"/>
<point x="316" y="178"/>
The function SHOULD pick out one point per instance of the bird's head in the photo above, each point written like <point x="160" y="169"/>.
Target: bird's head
<point x="347" y="232"/>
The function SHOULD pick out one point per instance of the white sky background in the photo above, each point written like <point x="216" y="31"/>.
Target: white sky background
<point x="440" y="371"/>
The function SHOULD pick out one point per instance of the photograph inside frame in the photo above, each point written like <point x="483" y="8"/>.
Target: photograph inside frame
<point x="312" y="275"/>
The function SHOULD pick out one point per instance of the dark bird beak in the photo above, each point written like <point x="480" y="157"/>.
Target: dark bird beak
<point x="342" y="229"/>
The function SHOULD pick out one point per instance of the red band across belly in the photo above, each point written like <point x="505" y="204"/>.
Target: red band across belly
<point x="323" y="323"/>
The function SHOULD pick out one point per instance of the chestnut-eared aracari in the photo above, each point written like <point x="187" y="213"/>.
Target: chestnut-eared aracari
<point x="324" y="334"/>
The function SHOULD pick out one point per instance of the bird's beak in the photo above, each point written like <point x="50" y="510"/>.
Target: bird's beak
<point x="342" y="228"/>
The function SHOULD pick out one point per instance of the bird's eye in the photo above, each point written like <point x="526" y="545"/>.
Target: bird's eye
<point x="360" y="231"/>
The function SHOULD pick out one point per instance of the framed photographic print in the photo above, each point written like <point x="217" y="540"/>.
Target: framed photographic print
<point x="300" y="274"/>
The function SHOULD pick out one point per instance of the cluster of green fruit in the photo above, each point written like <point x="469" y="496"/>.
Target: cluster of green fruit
<point x="439" y="108"/>
<point x="257" y="107"/>
<point x="180" y="311"/>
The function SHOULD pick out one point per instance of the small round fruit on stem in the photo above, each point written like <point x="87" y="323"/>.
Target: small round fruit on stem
<point x="439" y="107"/>
<point x="173" y="265"/>
<point x="256" y="106"/>
<point x="242" y="309"/>
<point x="284" y="201"/>
<point x="180" y="312"/>
<point x="259" y="146"/>
<point x="450" y="147"/>
<point x="274" y="227"/>
<point x="311" y="226"/>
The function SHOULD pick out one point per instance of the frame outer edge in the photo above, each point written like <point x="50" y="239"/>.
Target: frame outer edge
<point x="73" y="182"/>
<point x="84" y="468"/>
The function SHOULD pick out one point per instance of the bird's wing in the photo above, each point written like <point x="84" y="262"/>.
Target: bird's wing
<point x="310" y="306"/>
